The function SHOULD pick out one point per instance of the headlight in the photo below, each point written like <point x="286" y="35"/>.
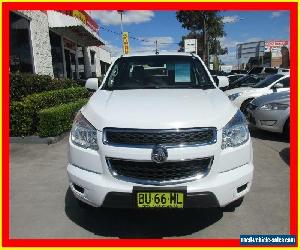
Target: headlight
<point x="274" y="106"/>
<point x="234" y="96"/>
<point x="236" y="132"/>
<point x="83" y="133"/>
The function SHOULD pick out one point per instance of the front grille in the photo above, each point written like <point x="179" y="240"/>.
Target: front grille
<point x="144" y="137"/>
<point x="147" y="172"/>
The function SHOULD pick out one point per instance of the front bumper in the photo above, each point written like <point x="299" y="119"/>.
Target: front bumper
<point x="97" y="189"/>
<point x="92" y="182"/>
<point x="266" y="120"/>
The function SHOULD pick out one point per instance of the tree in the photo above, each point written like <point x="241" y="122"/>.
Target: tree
<point x="285" y="57"/>
<point x="206" y="26"/>
<point x="216" y="49"/>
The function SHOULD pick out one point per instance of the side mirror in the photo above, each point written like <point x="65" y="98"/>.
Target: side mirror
<point x="92" y="84"/>
<point x="278" y="85"/>
<point x="216" y="79"/>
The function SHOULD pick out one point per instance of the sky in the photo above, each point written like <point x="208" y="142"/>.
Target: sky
<point x="147" y="26"/>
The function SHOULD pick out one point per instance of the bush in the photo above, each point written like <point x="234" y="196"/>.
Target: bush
<point x="20" y="119"/>
<point x="23" y="115"/>
<point x="57" y="120"/>
<point x="52" y="98"/>
<point x="24" y="84"/>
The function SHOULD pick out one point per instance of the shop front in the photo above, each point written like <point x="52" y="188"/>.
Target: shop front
<point x="63" y="44"/>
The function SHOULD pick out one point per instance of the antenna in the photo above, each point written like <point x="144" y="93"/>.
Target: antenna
<point x="156" y="48"/>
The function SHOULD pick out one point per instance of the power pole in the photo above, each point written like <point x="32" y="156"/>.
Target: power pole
<point x="121" y="13"/>
<point x="208" y="59"/>
<point x="156" y="47"/>
<point x="204" y="41"/>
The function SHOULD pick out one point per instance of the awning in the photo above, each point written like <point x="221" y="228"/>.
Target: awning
<point x="73" y="29"/>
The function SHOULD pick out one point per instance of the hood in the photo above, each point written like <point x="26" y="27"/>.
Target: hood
<point x="278" y="97"/>
<point x="239" y="90"/>
<point x="159" y="108"/>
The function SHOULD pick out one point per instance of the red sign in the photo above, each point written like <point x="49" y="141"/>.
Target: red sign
<point x="276" y="43"/>
<point x="82" y="16"/>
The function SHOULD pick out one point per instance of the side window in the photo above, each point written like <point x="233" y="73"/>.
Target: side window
<point x="248" y="80"/>
<point x="113" y="75"/>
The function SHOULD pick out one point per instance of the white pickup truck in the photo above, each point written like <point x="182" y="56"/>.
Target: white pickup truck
<point x="158" y="133"/>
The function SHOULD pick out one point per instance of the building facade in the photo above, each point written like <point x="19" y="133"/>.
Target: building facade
<point x="62" y="44"/>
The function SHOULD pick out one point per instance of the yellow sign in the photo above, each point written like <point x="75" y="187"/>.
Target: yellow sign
<point x="79" y="15"/>
<point x="160" y="199"/>
<point x="125" y="43"/>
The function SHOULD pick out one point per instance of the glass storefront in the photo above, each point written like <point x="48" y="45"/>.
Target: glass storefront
<point x="57" y="56"/>
<point x="20" y="44"/>
<point x="104" y="67"/>
<point x="70" y="64"/>
<point x="67" y="57"/>
<point x="81" y="67"/>
<point x="70" y="52"/>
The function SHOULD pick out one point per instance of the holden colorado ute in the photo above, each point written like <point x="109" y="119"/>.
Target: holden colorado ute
<point x="158" y="133"/>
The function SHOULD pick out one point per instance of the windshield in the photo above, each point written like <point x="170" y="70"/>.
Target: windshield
<point x="244" y="80"/>
<point x="271" y="70"/>
<point x="147" y="72"/>
<point x="255" y="70"/>
<point x="267" y="81"/>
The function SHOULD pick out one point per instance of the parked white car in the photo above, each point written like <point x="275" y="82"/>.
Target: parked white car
<point x="271" y="112"/>
<point x="241" y="97"/>
<point x="268" y="70"/>
<point x="158" y="133"/>
<point x="232" y="78"/>
<point x="222" y="81"/>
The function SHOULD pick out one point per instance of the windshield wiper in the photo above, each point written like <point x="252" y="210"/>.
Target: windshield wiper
<point x="168" y="87"/>
<point x="205" y="86"/>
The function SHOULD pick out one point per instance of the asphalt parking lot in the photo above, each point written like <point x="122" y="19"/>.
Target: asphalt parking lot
<point x="42" y="206"/>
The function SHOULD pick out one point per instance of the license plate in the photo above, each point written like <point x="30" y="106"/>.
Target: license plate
<point x="159" y="199"/>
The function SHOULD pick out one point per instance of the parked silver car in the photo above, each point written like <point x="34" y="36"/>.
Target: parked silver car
<point x="270" y="112"/>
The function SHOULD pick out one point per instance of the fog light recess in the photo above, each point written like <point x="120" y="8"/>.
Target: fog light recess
<point x="242" y="188"/>
<point x="78" y="188"/>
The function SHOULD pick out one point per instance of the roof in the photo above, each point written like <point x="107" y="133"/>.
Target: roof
<point x="160" y="54"/>
<point x="73" y="29"/>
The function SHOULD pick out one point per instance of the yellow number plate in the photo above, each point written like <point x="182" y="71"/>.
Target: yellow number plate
<point x="160" y="199"/>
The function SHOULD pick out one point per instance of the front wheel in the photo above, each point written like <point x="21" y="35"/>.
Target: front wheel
<point x="233" y="205"/>
<point x="286" y="129"/>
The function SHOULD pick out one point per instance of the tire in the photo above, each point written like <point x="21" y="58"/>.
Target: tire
<point x="244" y="105"/>
<point x="286" y="129"/>
<point x="233" y="205"/>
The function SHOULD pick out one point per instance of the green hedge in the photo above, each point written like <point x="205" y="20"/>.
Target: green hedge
<point x="20" y="119"/>
<point x="24" y="84"/>
<point x="52" y="98"/>
<point x="57" y="120"/>
<point x="23" y="115"/>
